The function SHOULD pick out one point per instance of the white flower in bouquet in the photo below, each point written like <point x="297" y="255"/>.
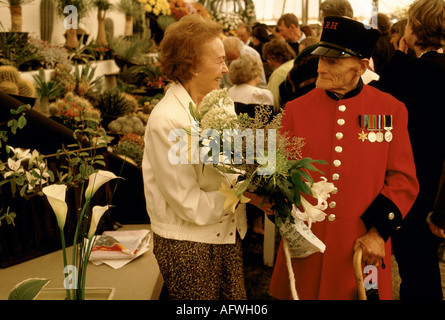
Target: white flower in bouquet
<point x="321" y="191"/>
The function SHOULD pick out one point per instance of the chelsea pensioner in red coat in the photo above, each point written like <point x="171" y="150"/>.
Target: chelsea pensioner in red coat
<point x="362" y="133"/>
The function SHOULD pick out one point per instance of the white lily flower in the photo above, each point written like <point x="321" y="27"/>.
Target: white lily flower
<point x="321" y="191"/>
<point x="96" y="180"/>
<point x="55" y="194"/>
<point x="98" y="212"/>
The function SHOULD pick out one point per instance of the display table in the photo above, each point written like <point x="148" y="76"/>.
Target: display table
<point x="138" y="280"/>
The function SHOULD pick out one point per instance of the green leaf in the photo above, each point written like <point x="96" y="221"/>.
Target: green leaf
<point x="28" y="289"/>
<point x="22" y="122"/>
<point x="23" y="190"/>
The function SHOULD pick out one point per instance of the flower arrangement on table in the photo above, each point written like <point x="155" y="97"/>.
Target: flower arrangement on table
<point x="266" y="163"/>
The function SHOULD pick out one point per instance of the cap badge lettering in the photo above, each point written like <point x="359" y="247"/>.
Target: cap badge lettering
<point x="331" y="25"/>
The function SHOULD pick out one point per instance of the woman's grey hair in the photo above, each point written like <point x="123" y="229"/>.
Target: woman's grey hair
<point x="244" y="69"/>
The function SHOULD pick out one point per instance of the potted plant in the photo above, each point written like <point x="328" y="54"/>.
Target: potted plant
<point x="12" y="83"/>
<point x="102" y="7"/>
<point x="129" y="52"/>
<point x="75" y="112"/>
<point x="81" y="7"/>
<point x="15" y="7"/>
<point x="46" y="91"/>
<point x="112" y="104"/>
<point x="129" y="8"/>
<point x="131" y="148"/>
<point x="17" y="51"/>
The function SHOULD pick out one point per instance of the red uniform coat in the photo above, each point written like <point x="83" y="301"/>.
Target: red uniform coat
<point x="376" y="184"/>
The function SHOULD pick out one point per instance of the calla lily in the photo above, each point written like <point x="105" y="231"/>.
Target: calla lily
<point x="321" y="191"/>
<point x="55" y="194"/>
<point x="232" y="199"/>
<point x="96" y="180"/>
<point x="98" y="212"/>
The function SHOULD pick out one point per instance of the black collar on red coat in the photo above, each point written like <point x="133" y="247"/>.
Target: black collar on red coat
<point x="348" y="95"/>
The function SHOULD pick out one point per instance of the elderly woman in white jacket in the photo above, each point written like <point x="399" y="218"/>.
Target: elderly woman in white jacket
<point x="197" y="244"/>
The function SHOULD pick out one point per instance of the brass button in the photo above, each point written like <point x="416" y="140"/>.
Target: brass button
<point x="338" y="149"/>
<point x="342" y="108"/>
<point x="391" y="216"/>
<point x="335" y="176"/>
<point x="339" y="135"/>
<point x="341" y="122"/>
<point x="337" y="163"/>
<point x="331" y="217"/>
<point x="332" y="204"/>
<point x="334" y="191"/>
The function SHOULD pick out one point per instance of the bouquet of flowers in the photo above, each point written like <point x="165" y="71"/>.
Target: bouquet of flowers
<point x="237" y="144"/>
<point x="266" y="162"/>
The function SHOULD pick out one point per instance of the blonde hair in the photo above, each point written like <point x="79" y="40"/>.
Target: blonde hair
<point x="244" y="69"/>
<point x="427" y="20"/>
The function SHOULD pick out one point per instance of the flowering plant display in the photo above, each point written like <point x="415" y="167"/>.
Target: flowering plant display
<point x="28" y="174"/>
<point x="25" y="171"/>
<point x="75" y="111"/>
<point x="229" y="20"/>
<point x="85" y="229"/>
<point x="87" y="223"/>
<point x="178" y="8"/>
<point x="156" y="7"/>
<point x="51" y="54"/>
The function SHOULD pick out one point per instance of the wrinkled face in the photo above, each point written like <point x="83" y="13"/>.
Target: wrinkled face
<point x="211" y="65"/>
<point x="338" y="75"/>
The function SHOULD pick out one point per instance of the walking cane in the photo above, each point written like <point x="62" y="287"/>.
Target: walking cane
<point x="363" y="294"/>
<point x="357" y="261"/>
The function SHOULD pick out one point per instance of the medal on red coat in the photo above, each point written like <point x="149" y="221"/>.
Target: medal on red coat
<point x="388" y="127"/>
<point x="372" y="137"/>
<point x="379" y="128"/>
<point x="361" y="121"/>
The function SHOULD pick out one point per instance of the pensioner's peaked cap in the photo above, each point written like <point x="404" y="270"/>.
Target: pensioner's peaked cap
<point x="343" y="37"/>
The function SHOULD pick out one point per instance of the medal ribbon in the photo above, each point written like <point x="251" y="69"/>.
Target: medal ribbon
<point x="388" y="121"/>
<point x="371" y="123"/>
<point x="379" y="122"/>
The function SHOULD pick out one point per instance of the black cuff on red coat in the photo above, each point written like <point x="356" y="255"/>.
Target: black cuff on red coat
<point x="383" y="215"/>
